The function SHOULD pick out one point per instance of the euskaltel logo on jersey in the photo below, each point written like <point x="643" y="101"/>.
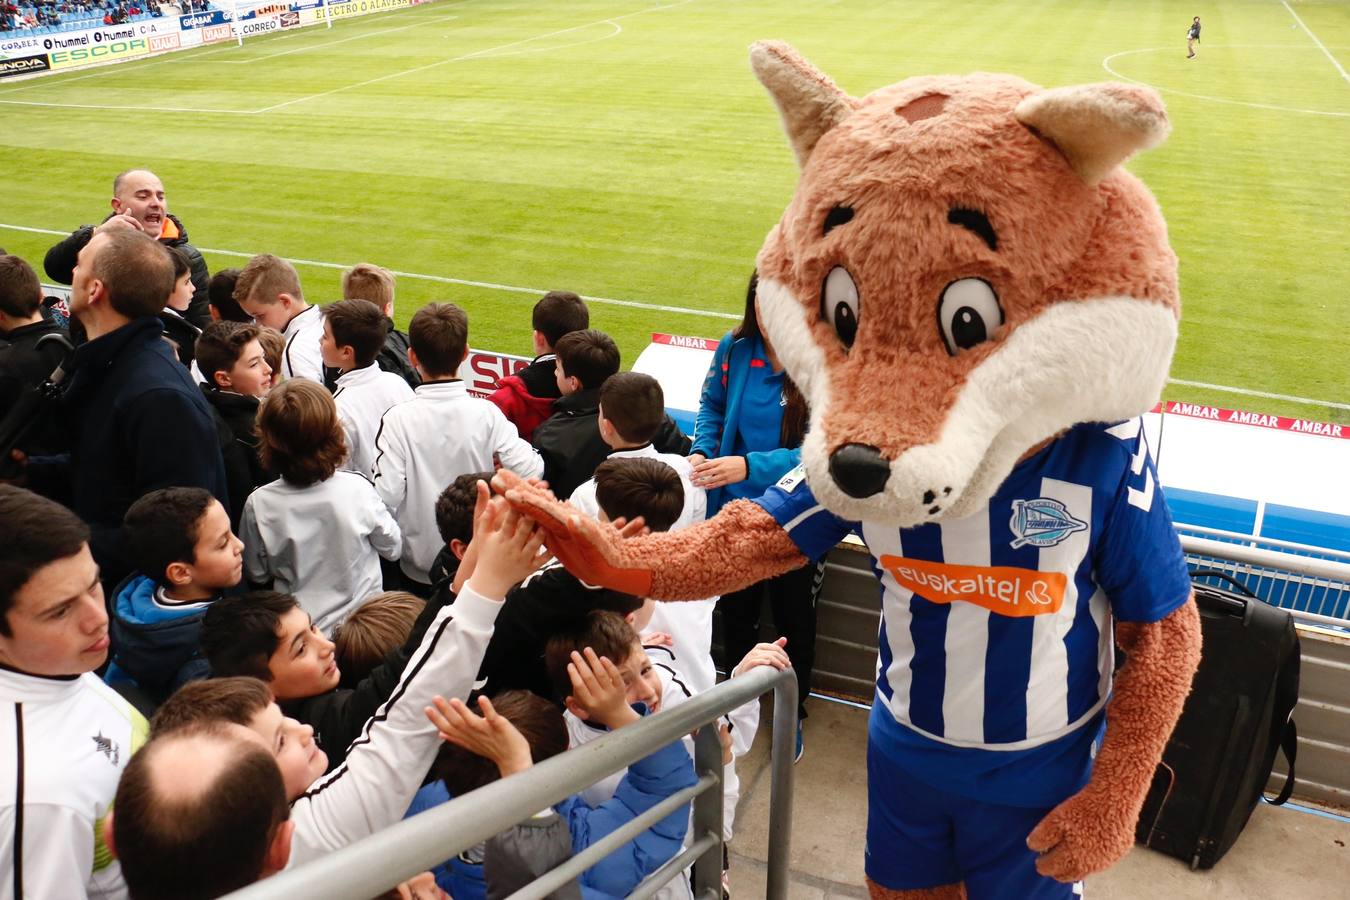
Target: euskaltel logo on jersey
<point x="1005" y="590"/>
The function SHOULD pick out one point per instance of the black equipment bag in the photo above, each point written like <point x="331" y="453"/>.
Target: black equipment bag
<point x="1238" y="715"/>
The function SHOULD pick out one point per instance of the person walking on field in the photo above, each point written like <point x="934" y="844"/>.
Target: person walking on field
<point x="1192" y="38"/>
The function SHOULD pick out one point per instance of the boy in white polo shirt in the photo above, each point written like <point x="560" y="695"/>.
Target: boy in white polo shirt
<point x="353" y="333"/>
<point x="442" y="433"/>
<point x="268" y="289"/>
<point x="65" y="736"/>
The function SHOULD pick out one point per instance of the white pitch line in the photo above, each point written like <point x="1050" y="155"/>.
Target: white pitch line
<point x="177" y="109"/>
<point x="1250" y="393"/>
<point x="1320" y="45"/>
<point x="462" y="57"/>
<point x="355" y="37"/>
<point x="443" y="279"/>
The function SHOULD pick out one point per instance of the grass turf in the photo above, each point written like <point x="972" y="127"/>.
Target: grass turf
<point x="621" y="149"/>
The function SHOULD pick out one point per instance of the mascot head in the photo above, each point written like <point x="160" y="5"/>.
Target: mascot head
<point x="963" y="272"/>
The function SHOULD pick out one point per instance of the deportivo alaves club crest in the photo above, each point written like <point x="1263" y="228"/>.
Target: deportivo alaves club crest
<point x="1042" y="523"/>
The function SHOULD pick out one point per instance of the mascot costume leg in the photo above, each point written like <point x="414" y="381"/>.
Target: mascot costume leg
<point x="978" y="303"/>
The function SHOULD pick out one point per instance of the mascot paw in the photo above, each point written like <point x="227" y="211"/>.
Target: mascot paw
<point x="941" y="892"/>
<point x="587" y="548"/>
<point x="1085" y="834"/>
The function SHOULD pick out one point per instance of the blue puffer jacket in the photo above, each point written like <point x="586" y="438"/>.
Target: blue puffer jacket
<point x="648" y="782"/>
<point x="740" y="413"/>
<point x="155" y="647"/>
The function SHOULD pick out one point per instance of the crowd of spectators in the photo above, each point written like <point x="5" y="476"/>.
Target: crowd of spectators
<point x="257" y="594"/>
<point x="52" y="15"/>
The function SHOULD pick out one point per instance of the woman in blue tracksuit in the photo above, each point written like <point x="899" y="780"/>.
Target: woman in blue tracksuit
<point x="748" y="435"/>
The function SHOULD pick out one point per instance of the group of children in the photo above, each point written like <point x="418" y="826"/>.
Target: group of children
<point x="363" y="573"/>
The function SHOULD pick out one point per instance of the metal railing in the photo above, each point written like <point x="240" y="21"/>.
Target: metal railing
<point x="1313" y="583"/>
<point x="373" y="865"/>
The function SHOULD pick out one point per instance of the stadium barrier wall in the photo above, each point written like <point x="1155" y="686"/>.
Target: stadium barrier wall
<point x="38" y="54"/>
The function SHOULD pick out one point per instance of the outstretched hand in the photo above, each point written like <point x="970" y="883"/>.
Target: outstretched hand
<point x="489" y="735"/>
<point x="765" y="655"/>
<point x="510" y="547"/>
<point x="599" y="691"/>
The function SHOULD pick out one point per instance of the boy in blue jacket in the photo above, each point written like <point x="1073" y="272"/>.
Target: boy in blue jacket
<point x="536" y="728"/>
<point x="186" y="556"/>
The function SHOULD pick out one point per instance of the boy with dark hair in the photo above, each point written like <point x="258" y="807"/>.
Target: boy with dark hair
<point x="553" y="600"/>
<point x="454" y="524"/>
<point x="367" y="281"/>
<point x="235" y="377"/>
<point x="179" y="331"/>
<point x="23" y="364"/>
<point x="186" y="557"/>
<point x="201" y="812"/>
<point x="269" y="636"/>
<point x="70" y="732"/>
<point x="353" y="333"/>
<point x="220" y="298"/>
<point x="520" y="730"/>
<point x="414" y="460"/>
<point x="570" y="441"/>
<point x="526" y="398"/>
<point x="268" y="289"/>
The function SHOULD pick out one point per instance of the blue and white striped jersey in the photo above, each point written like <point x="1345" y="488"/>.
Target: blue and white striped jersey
<point x="996" y="631"/>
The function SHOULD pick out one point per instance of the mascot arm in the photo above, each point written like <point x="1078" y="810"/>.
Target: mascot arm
<point x="1095" y="828"/>
<point x="738" y="547"/>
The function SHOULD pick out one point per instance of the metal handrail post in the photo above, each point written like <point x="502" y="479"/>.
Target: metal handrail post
<point x="708" y="812"/>
<point x="783" y="756"/>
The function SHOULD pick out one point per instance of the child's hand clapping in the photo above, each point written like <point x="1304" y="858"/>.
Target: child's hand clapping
<point x="509" y="547"/>
<point x="599" y="691"/>
<point x="489" y="735"/>
<point x="765" y="655"/>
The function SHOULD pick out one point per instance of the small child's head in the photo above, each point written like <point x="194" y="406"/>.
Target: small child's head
<point x="540" y="722"/>
<point x="269" y="636"/>
<point x="181" y="537"/>
<point x="231" y="358"/>
<point x="273" y="346"/>
<point x="454" y="511"/>
<point x="20" y="289"/>
<point x="629" y="487"/>
<point x="247" y="702"/>
<point x="268" y="289"/>
<point x="353" y="333"/>
<point x="558" y="313"/>
<point x="372" y="631"/>
<point x="438" y="339"/>
<point x="183" y="289"/>
<point x="610" y="635"/>
<point x="299" y="434"/>
<point x="585" y="360"/>
<point x="632" y="409"/>
<point x="220" y="297"/>
<point x="367" y="281"/>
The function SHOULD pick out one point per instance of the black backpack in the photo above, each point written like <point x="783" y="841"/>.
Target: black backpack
<point x="1238" y="716"/>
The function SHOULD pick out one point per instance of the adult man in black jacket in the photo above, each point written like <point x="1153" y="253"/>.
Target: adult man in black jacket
<point x="23" y="364"/>
<point x="138" y="204"/>
<point x="136" y="420"/>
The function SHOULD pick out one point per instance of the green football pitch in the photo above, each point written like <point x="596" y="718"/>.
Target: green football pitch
<point x="489" y="150"/>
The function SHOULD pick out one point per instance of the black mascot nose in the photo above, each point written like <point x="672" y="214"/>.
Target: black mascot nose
<point x="860" y="470"/>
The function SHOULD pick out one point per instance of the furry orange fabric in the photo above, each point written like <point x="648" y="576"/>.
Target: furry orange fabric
<point x="1094" y="828"/>
<point x="740" y="547"/>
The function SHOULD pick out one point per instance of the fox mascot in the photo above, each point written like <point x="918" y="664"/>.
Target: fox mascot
<point x="978" y="304"/>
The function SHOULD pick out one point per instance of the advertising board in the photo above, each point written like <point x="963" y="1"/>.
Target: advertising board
<point x="203" y="19"/>
<point x="19" y="46"/>
<point x="23" y="65"/>
<point x="483" y="369"/>
<point x="100" y="50"/>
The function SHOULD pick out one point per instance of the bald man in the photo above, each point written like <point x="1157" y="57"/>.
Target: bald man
<point x="138" y="204"/>
<point x="200" y="811"/>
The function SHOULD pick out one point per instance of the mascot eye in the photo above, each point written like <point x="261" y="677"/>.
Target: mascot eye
<point x="839" y="305"/>
<point x="969" y="314"/>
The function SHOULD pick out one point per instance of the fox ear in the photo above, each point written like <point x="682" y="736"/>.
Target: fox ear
<point x="809" y="102"/>
<point x="1097" y="126"/>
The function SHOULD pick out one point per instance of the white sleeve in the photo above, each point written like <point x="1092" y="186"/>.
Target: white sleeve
<point x="744" y="721"/>
<point x="302" y="357"/>
<point x="385" y="535"/>
<point x="255" y="552"/>
<point x="515" y="454"/>
<point x="353" y="436"/>
<point x="583" y="498"/>
<point x="391" y="471"/>
<point x="58" y="852"/>
<point x="385" y="766"/>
